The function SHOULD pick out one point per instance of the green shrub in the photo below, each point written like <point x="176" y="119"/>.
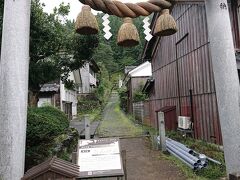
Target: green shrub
<point x="87" y="104"/>
<point x="138" y="95"/>
<point x="44" y="125"/>
<point x="123" y="96"/>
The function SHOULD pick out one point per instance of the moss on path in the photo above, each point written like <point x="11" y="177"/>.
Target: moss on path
<point x="115" y="123"/>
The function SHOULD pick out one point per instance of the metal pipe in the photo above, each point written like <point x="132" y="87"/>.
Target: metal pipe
<point x="189" y="160"/>
<point x="214" y="161"/>
<point x="208" y="158"/>
<point x="187" y="163"/>
<point x="197" y="160"/>
<point x="203" y="163"/>
<point x="182" y="146"/>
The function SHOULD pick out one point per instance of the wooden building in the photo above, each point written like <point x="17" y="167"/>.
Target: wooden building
<point x="53" y="169"/>
<point x="135" y="80"/>
<point x="183" y="73"/>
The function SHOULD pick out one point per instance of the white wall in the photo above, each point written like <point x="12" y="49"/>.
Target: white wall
<point x="69" y="95"/>
<point x="87" y="79"/>
<point x="44" y="101"/>
<point x="92" y="79"/>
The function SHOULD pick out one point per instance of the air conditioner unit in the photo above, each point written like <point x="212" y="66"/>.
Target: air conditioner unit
<point x="184" y="122"/>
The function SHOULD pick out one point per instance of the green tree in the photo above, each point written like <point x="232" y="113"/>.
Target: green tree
<point x="104" y="54"/>
<point x="55" y="49"/>
<point x="105" y="86"/>
<point x="122" y="56"/>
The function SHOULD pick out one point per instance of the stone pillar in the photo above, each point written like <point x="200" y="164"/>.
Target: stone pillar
<point x="162" y="132"/>
<point x="226" y="80"/>
<point x="14" y="65"/>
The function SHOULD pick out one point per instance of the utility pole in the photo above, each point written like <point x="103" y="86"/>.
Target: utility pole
<point x="14" y="65"/>
<point x="226" y="80"/>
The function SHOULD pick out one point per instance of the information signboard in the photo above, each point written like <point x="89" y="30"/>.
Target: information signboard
<point x="100" y="158"/>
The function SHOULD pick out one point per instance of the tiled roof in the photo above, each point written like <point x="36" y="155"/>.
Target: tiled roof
<point x="56" y="165"/>
<point x="50" y="88"/>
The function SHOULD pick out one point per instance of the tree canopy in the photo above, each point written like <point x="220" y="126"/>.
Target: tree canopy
<point x="54" y="46"/>
<point x="114" y="57"/>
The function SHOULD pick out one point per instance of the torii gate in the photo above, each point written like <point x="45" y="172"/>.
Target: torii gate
<point x="14" y="65"/>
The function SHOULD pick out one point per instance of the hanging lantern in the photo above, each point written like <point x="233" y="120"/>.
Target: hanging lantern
<point x="86" y="22"/>
<point x="128" y="34"/>
<point x="166" y="25"/>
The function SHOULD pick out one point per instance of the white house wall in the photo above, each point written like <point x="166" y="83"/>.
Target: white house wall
<point x="69" y="95"/>
<point x="85" y="79"/>
<point x="93" y="80"/>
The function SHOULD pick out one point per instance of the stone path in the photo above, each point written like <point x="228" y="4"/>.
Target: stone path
<point x="80" y="126"/>
<point x="115" y="123"/>
<point x="143" y="163"/>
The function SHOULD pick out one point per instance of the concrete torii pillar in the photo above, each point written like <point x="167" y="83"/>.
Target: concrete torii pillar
<point x="14" y="65"/>
<point x="226" y="79"/>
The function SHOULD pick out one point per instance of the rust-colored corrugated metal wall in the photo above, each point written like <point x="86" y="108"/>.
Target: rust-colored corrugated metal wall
<point x="234" y="8"/>
<point x="183" y="63"/>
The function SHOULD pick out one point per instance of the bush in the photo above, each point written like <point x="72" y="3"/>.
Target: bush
<point x="44" y="125"/>
<point x="138" y="95"/>
<point x="87" y="104"/>
<point x="123" y="99"/>
<point x="104" y="89"/>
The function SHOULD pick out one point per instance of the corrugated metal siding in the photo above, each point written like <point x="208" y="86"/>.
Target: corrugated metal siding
<point x="194" y="68"/>
<point x="234" y="17"/>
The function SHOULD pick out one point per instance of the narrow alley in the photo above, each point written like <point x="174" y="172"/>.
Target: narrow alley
<point x="142" y="162"/>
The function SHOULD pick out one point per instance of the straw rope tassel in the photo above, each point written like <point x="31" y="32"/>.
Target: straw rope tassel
<point x="128" y="34"/>
<point x="86" y="22"/>
<point x="166" y="25"/>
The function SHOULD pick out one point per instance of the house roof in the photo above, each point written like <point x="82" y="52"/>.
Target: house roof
<point x="54" y="164"/>
<point x="50" y="87"/>
<point x="144" y="69"/>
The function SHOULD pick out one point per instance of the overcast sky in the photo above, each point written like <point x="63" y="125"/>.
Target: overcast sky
<point x="75" y="6"/>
